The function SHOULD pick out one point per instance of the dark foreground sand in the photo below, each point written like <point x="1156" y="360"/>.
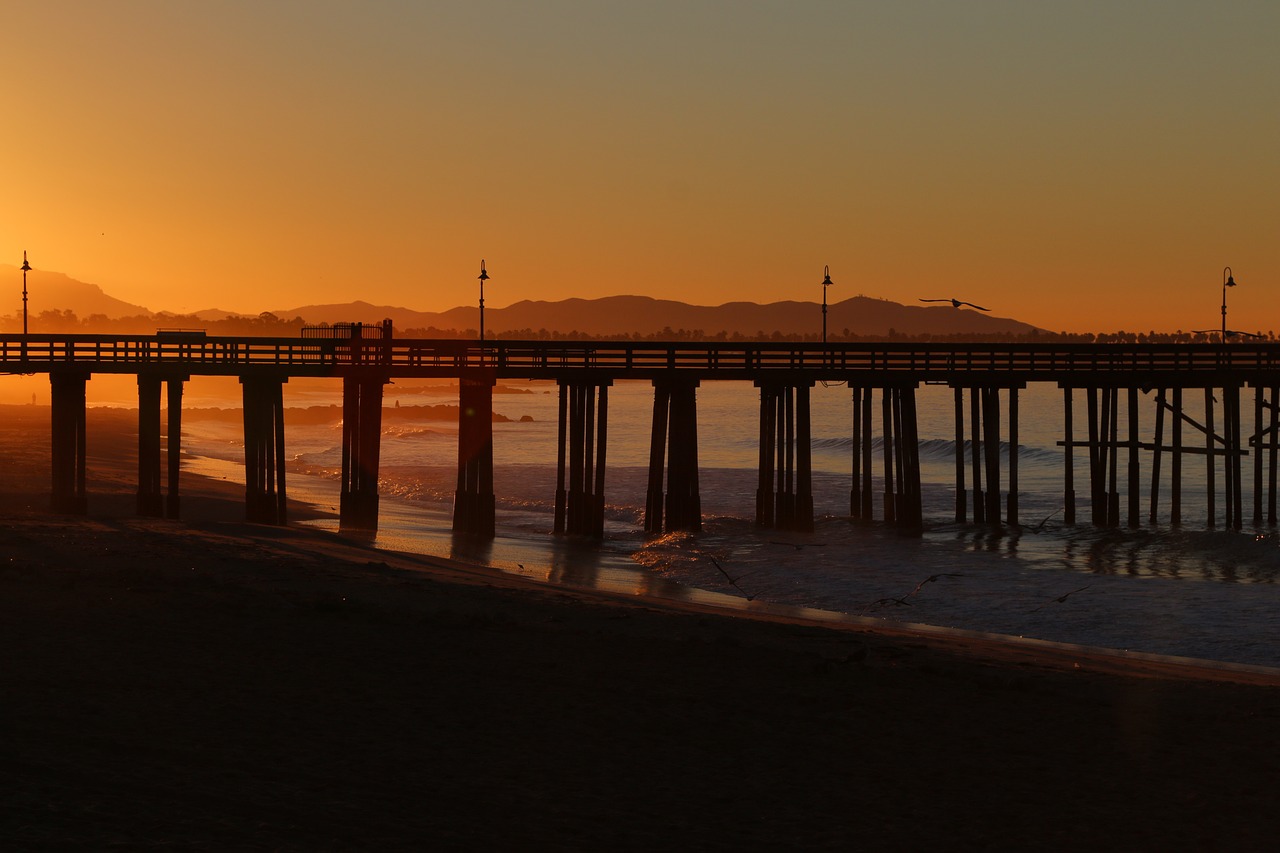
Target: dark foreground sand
<point x="222" y="686"/>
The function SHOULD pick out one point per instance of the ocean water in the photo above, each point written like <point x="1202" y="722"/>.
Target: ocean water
<point x="1189" y="591"/>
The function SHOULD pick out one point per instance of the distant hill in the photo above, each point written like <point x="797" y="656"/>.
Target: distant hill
<point x="611" y="316"/>
<point x="55" y="291"/>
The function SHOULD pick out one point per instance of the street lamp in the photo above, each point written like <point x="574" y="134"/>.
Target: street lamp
<point x="26" y="268"/>
<point x="1227" y="281"/>
<point x="826" y="282"/>
<point x="484" y="276"/>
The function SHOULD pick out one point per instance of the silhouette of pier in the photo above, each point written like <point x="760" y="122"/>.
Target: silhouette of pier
<point x="366" y="357"/>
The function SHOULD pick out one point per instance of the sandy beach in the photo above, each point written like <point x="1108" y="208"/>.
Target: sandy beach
<point x="210" y="684"/>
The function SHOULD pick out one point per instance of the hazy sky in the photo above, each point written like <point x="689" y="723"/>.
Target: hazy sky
<point x="1077" y="165"/>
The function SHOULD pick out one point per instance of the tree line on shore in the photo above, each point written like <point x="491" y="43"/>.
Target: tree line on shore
<point x="270" y="325"/>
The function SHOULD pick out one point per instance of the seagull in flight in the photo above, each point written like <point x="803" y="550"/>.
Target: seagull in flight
<point x="956" y="303"/>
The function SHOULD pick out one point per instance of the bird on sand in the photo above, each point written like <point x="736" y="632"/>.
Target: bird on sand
<point x="956" y="303"/>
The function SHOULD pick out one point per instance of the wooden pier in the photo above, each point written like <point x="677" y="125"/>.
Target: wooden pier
<point x="1110" y="380"/>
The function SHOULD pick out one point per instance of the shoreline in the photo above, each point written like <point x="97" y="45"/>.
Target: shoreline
<point x="112" y="480"/>
<point x="213" y="683"/>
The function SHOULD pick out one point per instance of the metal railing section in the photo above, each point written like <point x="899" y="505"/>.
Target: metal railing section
<point x="26" y="353"/>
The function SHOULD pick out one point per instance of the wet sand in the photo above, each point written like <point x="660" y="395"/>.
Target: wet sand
<point x="210" y="684"/>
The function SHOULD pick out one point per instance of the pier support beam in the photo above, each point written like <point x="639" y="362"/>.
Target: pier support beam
<point x="361" y="452"/>
<point x="473" y="503"/>
<point x="584" y="414"/>
<point x="1156" y="454"/>
<point x="1273" y="443"/>
<point x="1231" y="438"/>
<point x="151" y="501"/>
<point x="1175" y="461"/>
<point x="1134" y="488"/>
<point x="265" y="497"/>
<point x="674" y="439"/>
<point x="991" y="439"/>
<point x="861" y="494"/>
<point x="785" y="456"/>
<point x="1103" y="456"/>
<point x="910" y="509"/>
<point x="1069" y="459"/>
<point x="975" y="449"/>
<point x="1011" y="497"/>
<point x="173" y="500"/>
<point x="67" y="433"/>
<point x="984" y="443"/>
<point x="150" y="498"/>
<point x="1211" y="487"/>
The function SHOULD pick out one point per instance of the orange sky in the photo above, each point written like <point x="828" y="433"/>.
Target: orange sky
<point x="1079" y="166"/>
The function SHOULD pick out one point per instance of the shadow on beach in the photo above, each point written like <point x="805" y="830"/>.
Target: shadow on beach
<point x="215" y="684"/>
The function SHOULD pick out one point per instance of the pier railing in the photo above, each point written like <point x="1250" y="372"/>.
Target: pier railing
<point x="954" y="363"/>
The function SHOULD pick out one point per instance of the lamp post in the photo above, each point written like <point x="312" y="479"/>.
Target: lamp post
<point x="26" y="268"/>
<point x="1227" y="281"/>
<point x="484" y="276"/>
<point x="826" y="282"/>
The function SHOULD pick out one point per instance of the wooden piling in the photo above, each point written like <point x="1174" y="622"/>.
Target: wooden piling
<point x="474" y="503"/>
<point x="1235" y="457"/>
<point x="1256" y="443"/>
<point x="886" y="442"/>
<point x="1011" y="499"/>
<point x="1113" y="459"/>
<point x="558" y="523"/>
<point x="961" y="502"/>
<point x="602" y="432"/>
<point x="975" y="423"/>
<point x="67" y="441"/>
<point x="803" y="515"/>
<point x="1134" y="490"/>
<point x="265" y="494"/>
<point x="855" y="488"/>
<point x="1175" y="467"/>
<point x="173" y="501"/>
<point x="1068" y="459"/>
<point x="784" y="497"/>
<point x="150" y="500"/>
<point x="785" y="508"/>
<point x="674" y="438"/>
<point x="868" y="502"/>
<point x="653" y="513"/>
<point x="583" y="439"/>
<point x="911" y="513"/>
<point x="361" y="452"/>
<point x="1156" y="454"/>
<point x="1097" y="459"/>
<point x="1210" y="463"/>
<point x="1272" y="443"/>
<point x="991" y="430"/>
<point x="900" y="514"/>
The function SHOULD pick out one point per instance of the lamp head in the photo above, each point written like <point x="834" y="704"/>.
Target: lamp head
<point x="826" y="276"/>
<point x="26" y="267"/>
<point x="484" y="276"/>
<point x="1230" y="281"/>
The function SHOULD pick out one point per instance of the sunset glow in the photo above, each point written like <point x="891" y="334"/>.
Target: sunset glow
<point x="1081" y="167"/>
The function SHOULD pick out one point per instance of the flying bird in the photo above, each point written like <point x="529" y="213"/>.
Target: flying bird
<point x="1045" y="520"/>
<point x="732" y="581"/>
<point x="1231" y="333"/>
<point x="956" y="303"/>
<point x="1061" y="599"/>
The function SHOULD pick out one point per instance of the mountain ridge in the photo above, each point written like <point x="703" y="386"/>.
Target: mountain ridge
<point x="631" y="314"/>
<point x="607" y="316"/>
